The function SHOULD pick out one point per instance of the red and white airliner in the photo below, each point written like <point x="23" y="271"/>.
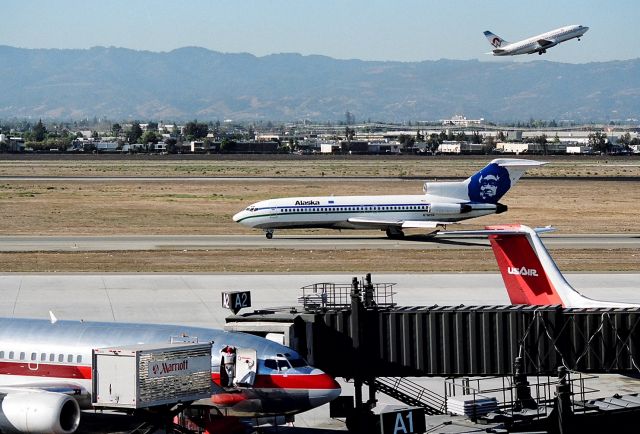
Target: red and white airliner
<point x="45" y="372"/>
<point x="529" y="272"/>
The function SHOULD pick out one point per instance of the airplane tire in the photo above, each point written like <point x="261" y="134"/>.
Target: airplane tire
<point x="269" y="235"/>
<point x="394" y="235"/>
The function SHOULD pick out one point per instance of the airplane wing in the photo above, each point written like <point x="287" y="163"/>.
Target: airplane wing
<point x="544" y="43"/>
<point x="405" y="224"/>
<point x="69" y="389"/>
<point x="497" y="230"/>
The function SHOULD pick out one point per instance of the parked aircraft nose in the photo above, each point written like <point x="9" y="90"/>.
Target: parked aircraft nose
<point x="325" y="389"/>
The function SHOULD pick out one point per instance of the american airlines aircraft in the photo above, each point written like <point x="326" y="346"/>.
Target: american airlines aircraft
<point x="529" y="272"/>
<point x="536" y="44"/>
<point x="443" y="203"/>
<point x="45" y="372"/>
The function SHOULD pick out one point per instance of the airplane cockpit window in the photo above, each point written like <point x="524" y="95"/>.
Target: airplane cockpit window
<point x="298" y="362"/>
<point x="270" y="364"/>
<point x="283" y="365"/>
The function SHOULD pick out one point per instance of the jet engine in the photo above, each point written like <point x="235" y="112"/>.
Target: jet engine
<point x="449" y="208"/>
<point x="39" y="412"/>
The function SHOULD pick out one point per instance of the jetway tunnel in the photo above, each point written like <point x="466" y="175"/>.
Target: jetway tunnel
<point x="385" y="340"/>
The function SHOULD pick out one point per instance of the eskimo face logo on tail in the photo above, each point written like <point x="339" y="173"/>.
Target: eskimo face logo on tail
<point x="490" y="184"/>
<point x="496" y="42"/>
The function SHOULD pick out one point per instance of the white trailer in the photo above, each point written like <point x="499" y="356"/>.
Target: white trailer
<point x="142" y="376"/>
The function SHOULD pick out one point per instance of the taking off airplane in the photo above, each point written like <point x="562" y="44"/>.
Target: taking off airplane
<point x="443" y="203"/>
<point x="536" y="44"/>
<point x="529" y="273"/>
<point x="46" y="374"/>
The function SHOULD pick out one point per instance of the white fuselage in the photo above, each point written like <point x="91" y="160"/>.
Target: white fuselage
<point x="532" y="45"/>
<point x="336" y="211"/>
<point x="34" y="353"/>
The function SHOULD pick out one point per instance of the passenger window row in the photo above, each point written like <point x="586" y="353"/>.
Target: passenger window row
<point x="359" y="208"/>
<point x="43" y="357"/>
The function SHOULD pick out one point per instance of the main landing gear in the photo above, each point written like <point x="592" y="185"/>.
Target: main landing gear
<point x="394" y="233"/>
<point x="268" y="233"/>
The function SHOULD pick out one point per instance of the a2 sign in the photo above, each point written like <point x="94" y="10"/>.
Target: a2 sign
<point x="236" y="300"/>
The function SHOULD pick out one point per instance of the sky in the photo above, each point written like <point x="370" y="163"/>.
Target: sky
<point x="398" y="30"/>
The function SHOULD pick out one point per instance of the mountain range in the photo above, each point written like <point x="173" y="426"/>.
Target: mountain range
<point x="196" y="83"/>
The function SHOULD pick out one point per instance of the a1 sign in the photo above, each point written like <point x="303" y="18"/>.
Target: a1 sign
<point x="409" y="421"/>
<point x="235" y="301"/>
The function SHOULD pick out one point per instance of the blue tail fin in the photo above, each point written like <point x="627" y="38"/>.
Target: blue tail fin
<point x="495" y="179"/>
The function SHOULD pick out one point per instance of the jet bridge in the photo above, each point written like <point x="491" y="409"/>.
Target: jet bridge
<point x="448" y="341"/>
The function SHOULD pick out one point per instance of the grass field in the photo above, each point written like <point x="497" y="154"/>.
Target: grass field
<point x="188" y="207"/>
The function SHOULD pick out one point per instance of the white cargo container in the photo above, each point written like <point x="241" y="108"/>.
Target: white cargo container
<point x="141" y="376"/>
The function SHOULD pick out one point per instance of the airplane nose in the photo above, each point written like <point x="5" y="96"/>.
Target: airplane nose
<point x="238" y="216"/>
<point x="328" y="390"/>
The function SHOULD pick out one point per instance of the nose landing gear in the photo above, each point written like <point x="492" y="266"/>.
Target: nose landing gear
<point x="268" y="233"/>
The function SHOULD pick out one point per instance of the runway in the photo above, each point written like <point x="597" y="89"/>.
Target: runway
<point x="12" y="243"/>
<point x="195" y="299"/>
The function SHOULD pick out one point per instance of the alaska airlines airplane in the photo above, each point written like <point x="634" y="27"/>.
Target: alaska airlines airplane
<point x="443" y="203"/>
<point x="536" y="44"/>
<point x="529" y="272"/>
<point x="45" y="372"/>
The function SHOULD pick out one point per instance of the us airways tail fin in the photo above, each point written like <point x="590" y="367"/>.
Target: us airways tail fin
<point x="529" y="273"/>
<point x="486" y="186"/>
<point x="495" y="40"/>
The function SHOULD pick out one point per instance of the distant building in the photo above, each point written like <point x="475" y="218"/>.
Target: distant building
<point x="16" y="144"/>
<point x="329" y="148"/>
<point x="531" y="148"/>
<point x="462" y="121"/>
<point x="456" y="147"/>
<point x="106" y="146"/>
<point x="581" y="149"/>
<point x="385" y="147"/>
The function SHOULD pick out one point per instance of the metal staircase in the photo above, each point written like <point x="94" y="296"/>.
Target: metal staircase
<point x="411" y="393"/>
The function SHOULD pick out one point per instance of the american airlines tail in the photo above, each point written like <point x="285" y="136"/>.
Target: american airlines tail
<point x="486" y="186"/>
<point x="530" y="274"/>
<point x="495" y="40"/>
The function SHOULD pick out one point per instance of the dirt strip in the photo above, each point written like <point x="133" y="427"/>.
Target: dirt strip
<point x="300" y="261"/>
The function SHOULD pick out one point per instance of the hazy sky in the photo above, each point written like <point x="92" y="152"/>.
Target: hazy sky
<point x="406" y="30"/>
